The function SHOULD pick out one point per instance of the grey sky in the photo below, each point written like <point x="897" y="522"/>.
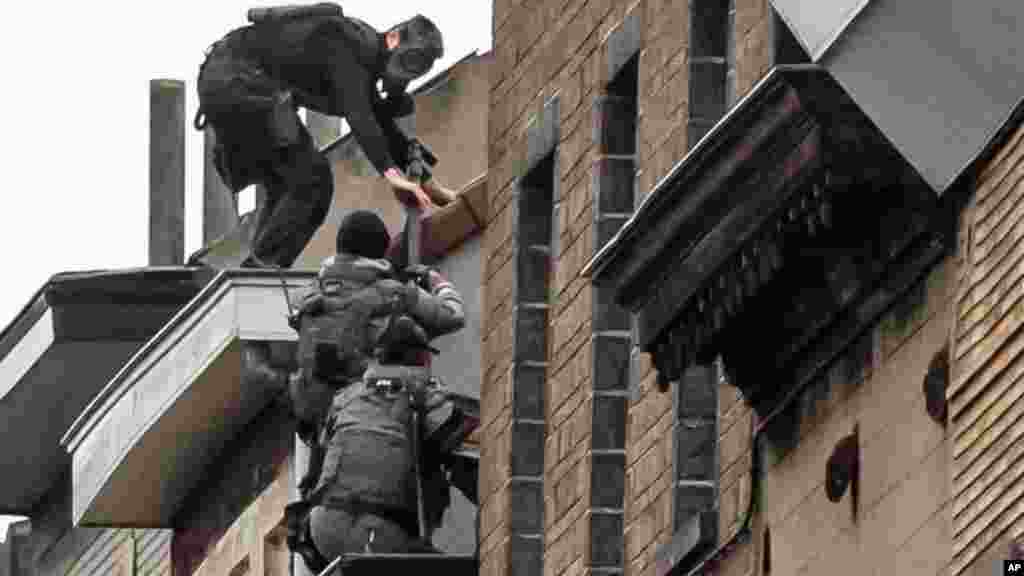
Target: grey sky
<point x="75" y="118"/>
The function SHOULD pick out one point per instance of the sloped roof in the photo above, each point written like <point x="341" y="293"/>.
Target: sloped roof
<point x="941" y="82"/>
<point x="816" y="24"/>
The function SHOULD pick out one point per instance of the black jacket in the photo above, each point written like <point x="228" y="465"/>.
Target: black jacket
<point x="332" y="65"/>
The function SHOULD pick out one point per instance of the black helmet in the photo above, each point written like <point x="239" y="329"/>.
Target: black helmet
<point x="363" y="233"/>
<point x="420" y="44"/>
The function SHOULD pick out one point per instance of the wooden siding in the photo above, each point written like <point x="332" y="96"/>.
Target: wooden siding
<point x="986" y="394"/>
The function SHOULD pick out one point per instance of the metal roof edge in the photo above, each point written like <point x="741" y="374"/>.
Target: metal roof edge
<point x="833" y="39"/>
<point x="53" y="287"/>
<point x="1014" y="118"/>
<point x="23" y="321"/>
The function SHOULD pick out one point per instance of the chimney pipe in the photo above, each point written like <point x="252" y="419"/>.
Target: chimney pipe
<point x="220" y="206"/>
<point x="166" y="173"/>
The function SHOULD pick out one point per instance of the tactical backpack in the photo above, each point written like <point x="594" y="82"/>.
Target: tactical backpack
<point x="335" y="343"/>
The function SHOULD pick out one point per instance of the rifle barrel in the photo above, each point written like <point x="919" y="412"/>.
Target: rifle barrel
<point x="330" y="567"/>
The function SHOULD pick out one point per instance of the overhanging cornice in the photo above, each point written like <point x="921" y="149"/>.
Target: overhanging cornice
<point x="698" y="164"/>
<point x="145" y="440"/>
<point x="681" y="200"/>
<point x="791" y="210"/>
<point x="60" y="350"/>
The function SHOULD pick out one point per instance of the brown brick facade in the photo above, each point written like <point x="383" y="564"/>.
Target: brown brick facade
<point x="561" y="48"/>
<point x="931" y="500"/>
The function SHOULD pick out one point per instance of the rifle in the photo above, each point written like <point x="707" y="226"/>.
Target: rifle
<point x="421" y="160"/>
<point x="330" y="567"/>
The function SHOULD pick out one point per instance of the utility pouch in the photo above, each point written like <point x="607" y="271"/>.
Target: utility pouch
<point x="284" y="122"/>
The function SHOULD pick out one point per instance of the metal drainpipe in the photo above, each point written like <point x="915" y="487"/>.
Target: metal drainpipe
<point x="755" y="480"/>
<point x="135" y="552"/>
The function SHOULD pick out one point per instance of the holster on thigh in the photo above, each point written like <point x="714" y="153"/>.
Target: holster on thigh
<point x="300" y="540"/>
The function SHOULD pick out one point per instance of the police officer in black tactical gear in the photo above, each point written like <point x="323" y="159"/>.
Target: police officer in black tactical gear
<point x="315" y="57"/>
<point x="359" y="494"/>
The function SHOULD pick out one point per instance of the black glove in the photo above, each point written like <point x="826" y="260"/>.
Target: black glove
<point x="419" y="274"/>
<point x="421" y="160"/>
<point x="307" y="485"/>
<point x="399" y="103"/>
<point x="295" y="320"/>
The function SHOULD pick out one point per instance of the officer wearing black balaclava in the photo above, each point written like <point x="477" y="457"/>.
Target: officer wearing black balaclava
<point x="315" y="57"/>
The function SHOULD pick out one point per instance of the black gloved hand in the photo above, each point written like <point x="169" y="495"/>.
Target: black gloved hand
<point x="306" y="485"/>
<point x="399" y="103"/>
<point x="419" y="274"/>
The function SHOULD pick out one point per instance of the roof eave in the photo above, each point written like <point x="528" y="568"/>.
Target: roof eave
<point x="183" y="378"/>
<point x="67" y="328"/>
<point x="732" y="126"/>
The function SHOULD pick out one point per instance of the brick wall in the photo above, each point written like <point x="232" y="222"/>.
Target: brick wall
<point x="254" y="543"/>
<point x="232" y="518"/>
<point x="543" y="49"/>
<point x="985" y="393"/>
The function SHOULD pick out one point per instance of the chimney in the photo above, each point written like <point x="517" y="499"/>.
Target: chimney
<point x="220" y="206"/>
<point x="166" y="172"/>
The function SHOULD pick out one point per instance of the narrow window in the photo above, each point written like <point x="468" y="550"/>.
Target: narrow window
<point x="711" y="57"/>
<point x="532" y="244"/>
<point x="611" y="372"/>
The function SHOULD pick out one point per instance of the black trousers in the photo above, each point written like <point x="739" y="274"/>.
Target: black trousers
<point x="260" y="139"/>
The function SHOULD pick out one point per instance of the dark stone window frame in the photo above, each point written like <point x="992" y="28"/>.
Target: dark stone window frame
<point x="613" y="179"/>
<point x="534" y="249"/>
<point x="712" y="60"/>
<point x="695" y="429"/>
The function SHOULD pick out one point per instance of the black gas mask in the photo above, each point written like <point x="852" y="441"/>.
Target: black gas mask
<point x="419" y="46"/>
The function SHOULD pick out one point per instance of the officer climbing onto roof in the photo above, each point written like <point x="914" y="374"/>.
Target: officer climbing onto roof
<point x="360" y="327"/>
<point x="254" y="79"/>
